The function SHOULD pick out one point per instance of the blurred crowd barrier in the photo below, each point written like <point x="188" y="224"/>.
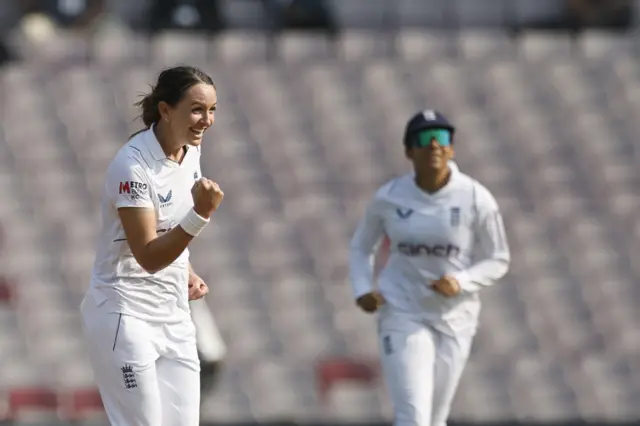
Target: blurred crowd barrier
<point x="38" y="19"/>
<point x="215" y="15"/>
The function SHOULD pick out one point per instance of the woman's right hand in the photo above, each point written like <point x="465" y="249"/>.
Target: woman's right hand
<point x="207" y="196"/>
<point x="370" y="302"/>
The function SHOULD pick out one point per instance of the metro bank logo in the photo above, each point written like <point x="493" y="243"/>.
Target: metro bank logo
<point x="127" y="187"/>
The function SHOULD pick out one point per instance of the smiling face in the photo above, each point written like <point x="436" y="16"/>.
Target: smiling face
<point x="192" y="115"/>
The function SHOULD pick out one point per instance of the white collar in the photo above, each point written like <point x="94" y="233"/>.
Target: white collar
<point x="154" y="145"/>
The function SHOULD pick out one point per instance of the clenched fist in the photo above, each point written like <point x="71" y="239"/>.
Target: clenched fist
<point x="197" y="287"/>
<point x="447" y="286"/>
<point x="207" y="196"/>
<point x="370" y="302"/>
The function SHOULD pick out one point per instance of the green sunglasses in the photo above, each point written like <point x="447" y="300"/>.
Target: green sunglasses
<point x="424" y="138"/>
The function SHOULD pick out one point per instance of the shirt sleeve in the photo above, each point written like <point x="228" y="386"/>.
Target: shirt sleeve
<point x="493" y="247"/>
<point x="368" y="234"/>
<point x="128" y="185"/>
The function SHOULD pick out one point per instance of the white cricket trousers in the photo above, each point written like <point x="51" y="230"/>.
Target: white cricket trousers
<point x="421" y="366"/>
<point x="148" y="374"/>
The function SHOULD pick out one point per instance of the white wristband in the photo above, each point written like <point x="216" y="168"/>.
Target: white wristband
<point x="193" y="223"/>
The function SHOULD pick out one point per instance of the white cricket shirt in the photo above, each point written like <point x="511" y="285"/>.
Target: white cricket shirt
<point x="456" y="231"/>
<point x="141" y="175"/>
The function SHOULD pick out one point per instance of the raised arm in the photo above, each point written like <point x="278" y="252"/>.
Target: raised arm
<point x="130" y="190"/>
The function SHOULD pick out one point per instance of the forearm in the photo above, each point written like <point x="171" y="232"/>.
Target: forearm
<point x="368" y="235"/>
<point x="164" y="250"/>
<point x="496" y="256"/>
<point x="360" y="272"/>
<point x="482" y="274"/>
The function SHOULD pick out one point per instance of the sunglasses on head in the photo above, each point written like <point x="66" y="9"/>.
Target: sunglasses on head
<point x="424" y="138"/>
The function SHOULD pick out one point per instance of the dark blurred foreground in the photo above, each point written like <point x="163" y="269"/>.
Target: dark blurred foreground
<point x="216" y="16"/>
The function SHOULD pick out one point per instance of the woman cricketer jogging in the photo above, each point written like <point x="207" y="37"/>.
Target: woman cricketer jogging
<point x="446" y="242"/>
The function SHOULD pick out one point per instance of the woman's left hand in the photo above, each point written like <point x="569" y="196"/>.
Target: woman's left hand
<point x="447" y="286"/>
<point x="197" y="287"/>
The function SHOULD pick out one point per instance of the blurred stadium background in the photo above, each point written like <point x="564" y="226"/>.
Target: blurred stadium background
<point x="313" y="97"/>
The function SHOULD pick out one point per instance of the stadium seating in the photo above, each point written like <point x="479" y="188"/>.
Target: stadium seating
<point x="301" y="141"/>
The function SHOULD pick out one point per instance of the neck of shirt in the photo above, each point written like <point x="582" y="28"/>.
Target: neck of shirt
<point x="158" y="152"/>
<point x="437" y="187"/>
